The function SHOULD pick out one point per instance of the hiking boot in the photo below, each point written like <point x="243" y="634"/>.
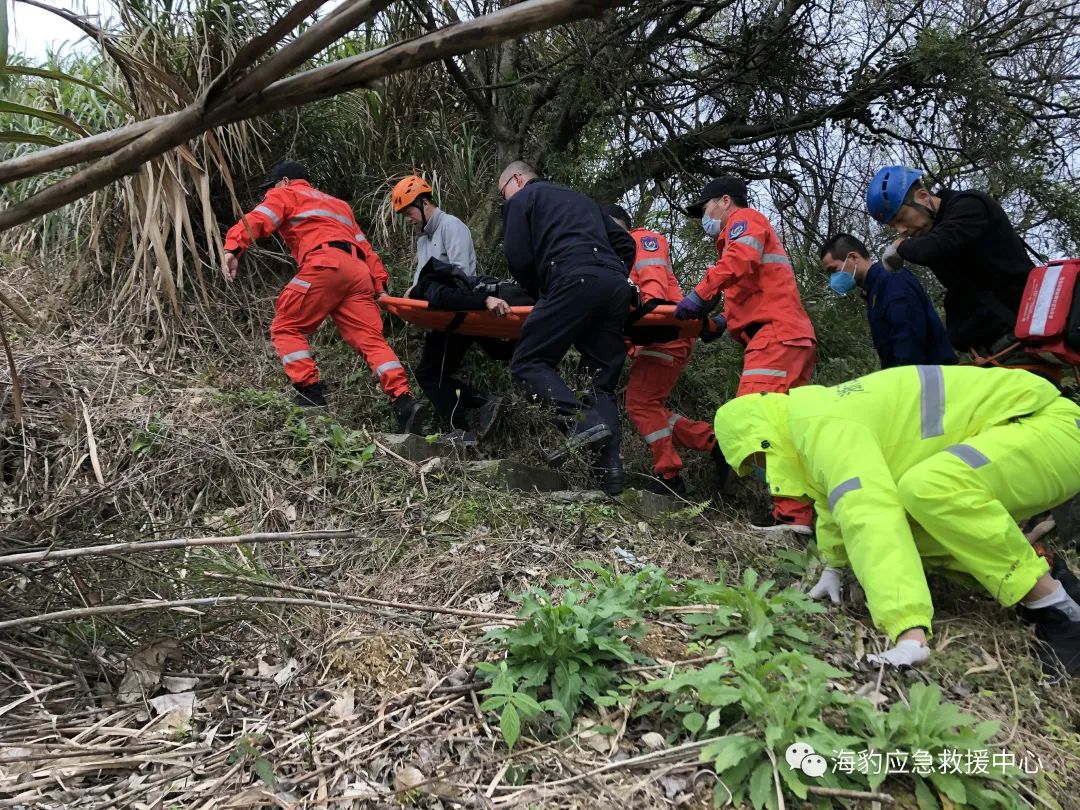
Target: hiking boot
<point x="612" y="480"/>
<point x="461" y="438"/>
<point x="312" y="395"/>
<point x="1058" y="645"/>
<point x="598" y="436"/>
<point x="487" y="416"/>
<point x="770" y="525"/>
<point x="673" y="486"/>
<point x="411" y="414"/>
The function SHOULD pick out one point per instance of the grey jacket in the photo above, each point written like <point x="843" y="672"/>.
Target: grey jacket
<point x="447" y="239"/>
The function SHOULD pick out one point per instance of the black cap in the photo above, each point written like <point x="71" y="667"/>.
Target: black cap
<point x="286" y="168"/>
<point x="716" y="188"/>
<point x="619" y="213"/>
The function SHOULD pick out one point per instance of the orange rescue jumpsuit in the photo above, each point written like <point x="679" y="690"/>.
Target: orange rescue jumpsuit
<point x="340" y="276"/>
<point x="765" y="314"/>
<point x="656" y="367"/>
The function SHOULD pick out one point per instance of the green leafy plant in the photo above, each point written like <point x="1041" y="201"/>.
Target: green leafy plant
<point x="145" y="441"/>
<point x="503" y="697"/>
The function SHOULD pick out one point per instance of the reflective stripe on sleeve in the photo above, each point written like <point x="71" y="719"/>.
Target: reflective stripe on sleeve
<point x="776" y="258"/>
<point x="931" y="401"/>
<point x="969" y="455"/>
<point x="753" y="242"/>
<point x="385" y="367"/>
<point x="640" y="263"/>
<point x="842" y="489"/>
<point x="266" y="212"/>
<point x="656" y="354"/>
<point x="292" y="357"/>
<point x="296" y="281"/>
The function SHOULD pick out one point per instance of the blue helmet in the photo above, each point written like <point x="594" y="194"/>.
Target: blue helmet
<point x="887" y="190"/>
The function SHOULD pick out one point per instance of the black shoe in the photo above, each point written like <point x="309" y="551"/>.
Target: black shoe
<point x="312" y="395"/>
<point x="598" y="436"/>
<point x="1059" y="640"/>
<point x="612" y="481"/>
<point x="1069" y="581"/>
<point x="666" y="486"/>
<point x="411" y="414"/>
<point x="461" y="438"/>
<point x="770" y="525"/>
<point x="487" y="416"/>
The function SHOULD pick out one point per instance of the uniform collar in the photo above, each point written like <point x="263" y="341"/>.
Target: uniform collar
<point x="874" y="277"/>
<point x="433" y="223"/>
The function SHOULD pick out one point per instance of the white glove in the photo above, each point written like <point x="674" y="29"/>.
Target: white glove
<point x="906" y="653"/>
<point x="828" y="585"/>
<point x="892" y="258"/>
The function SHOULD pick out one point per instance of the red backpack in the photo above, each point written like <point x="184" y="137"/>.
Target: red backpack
<point x="1048" y="325"/>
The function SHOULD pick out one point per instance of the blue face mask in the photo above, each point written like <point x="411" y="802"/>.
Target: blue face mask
<point x="842" y="282"/>
<point x="710" y="225"/>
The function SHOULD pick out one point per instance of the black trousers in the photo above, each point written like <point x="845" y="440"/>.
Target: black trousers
<point x="584" y="308"/>
<point x="440" y="360"/>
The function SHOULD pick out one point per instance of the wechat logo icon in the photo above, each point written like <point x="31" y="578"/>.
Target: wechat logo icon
<point x="801" y="757"/>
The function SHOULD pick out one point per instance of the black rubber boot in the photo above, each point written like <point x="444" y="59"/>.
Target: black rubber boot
<point x="659" y="485"/>
<point x="411" y="414"/>
<point x="1058" y="637"/>
<point x="487" y="416"/>
<point x="723" y="469"/>
<point x="312" y="395"/>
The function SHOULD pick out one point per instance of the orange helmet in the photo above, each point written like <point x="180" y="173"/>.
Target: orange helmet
<point x="406" y="191"/>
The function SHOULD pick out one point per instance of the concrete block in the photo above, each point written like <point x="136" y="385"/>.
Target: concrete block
<point x="649" y="504"/>
<point x="512" y="475"/>
<point x="417" y="448"/>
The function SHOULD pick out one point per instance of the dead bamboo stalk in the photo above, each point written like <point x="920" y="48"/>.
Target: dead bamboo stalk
<point x="114" y="549"/>
<point x="161" y="604"/>
<point x="365" y="600"/>
<point x="312" y="85"/>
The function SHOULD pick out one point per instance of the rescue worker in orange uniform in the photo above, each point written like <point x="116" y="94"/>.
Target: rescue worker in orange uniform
<point x="656" y="367"/>
<point x="762" y="309"/>
<point x="340" y="276"/>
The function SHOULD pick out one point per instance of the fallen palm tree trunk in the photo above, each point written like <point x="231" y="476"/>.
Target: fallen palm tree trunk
<point x="130" y="147"/>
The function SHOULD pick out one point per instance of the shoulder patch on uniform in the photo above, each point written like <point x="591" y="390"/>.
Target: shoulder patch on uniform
<point x="650" y="243"/>
<point x="737" y="229"/>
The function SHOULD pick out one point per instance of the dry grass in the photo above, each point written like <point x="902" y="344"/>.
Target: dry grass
<point x="377" y="705"/>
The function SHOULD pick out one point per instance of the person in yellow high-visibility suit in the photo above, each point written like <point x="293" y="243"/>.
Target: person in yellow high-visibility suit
<point x="923" y="466"/>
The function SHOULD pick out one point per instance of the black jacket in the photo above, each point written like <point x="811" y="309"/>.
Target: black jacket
<point x="445" y="286"/>
<point x="978" y="257"/>
<point x="549" y="229"/>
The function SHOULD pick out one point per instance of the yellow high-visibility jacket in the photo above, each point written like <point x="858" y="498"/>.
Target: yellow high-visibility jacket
<point x="855" y="440"/>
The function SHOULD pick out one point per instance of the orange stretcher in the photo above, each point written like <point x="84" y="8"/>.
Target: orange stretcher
<point x="481" y="323"/>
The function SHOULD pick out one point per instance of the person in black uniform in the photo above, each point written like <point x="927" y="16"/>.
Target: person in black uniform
<point x="966" y="239"/>
<point x="575" y="260"/>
